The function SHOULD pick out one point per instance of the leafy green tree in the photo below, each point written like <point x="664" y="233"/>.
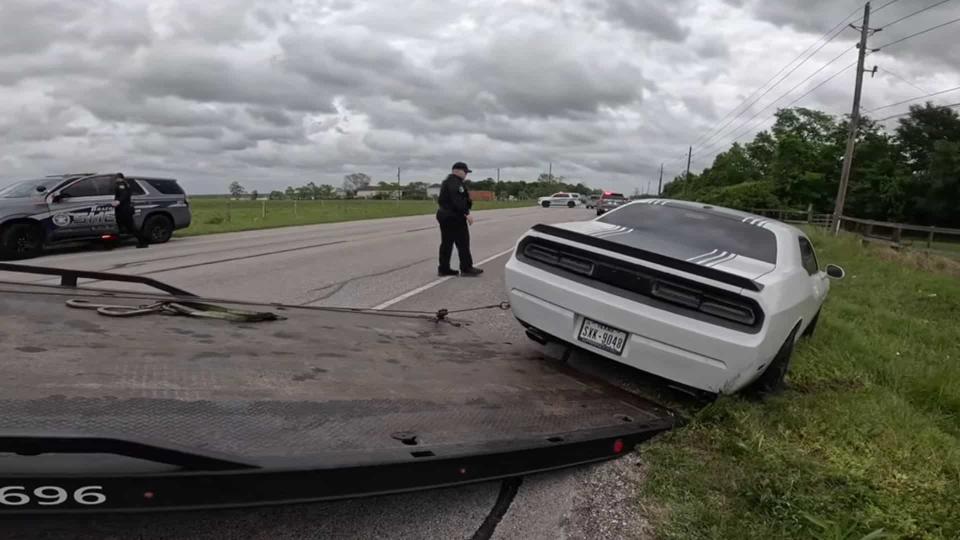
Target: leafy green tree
<point x="236" y="190"/>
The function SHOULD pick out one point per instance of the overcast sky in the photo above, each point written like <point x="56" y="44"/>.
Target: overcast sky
<point x="273" y="93"/>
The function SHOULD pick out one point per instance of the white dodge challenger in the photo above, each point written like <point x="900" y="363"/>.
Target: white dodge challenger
<point x="708" y="297"/>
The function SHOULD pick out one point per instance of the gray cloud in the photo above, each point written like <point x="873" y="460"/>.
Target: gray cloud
<point x="819" y="16"/>
<point x="647" y="16"/>
<point x="273" y="93"/>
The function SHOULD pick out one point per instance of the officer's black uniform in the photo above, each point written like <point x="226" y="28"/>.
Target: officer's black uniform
<point x="454" y="201"/>
<point x="124" y="212"/>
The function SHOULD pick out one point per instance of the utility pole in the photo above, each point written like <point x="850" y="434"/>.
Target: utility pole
<point x="498" y="175"/>
<point x="399" y="193"/>
<point x="689" y="155"/>
<point x="660" y="185"/>
<point x="854" y="121"/>
<point x="550" y="174"/>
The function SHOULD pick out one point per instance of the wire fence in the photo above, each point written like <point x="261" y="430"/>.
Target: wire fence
<point x="794" y="216"/>
<point x="936" y="240"/>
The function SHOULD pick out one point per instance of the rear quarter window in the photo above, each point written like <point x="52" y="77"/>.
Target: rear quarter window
<point x="696" y="228"/>
<point x="166" y="187"/>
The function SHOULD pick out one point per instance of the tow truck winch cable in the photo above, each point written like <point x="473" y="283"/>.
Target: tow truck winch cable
<point x="190" y="309"/>
<point x="212" y="311"/>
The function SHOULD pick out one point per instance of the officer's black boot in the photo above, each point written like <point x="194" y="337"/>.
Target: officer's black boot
<point x="447" y="272"/>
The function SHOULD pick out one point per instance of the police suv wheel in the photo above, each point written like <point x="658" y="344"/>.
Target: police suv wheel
<point x="158" y="229"/>
<point x="571" y="204"/>
<point x="545" y="204"/>
<point x="21" y="241"/>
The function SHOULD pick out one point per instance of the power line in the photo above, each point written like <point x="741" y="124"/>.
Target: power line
<point x="768" y="90"/>
<point x="932" y="28"/>
<point x="887" y="70"/>
<point x="888" y="4"/>
<point x="788" y="92"/>
<point x="949" y="106"/>
<point x="838" y="28"/>
<point x="794" y="102"/>
<point x="905" y="17"/>
<point x="954" y="89"/>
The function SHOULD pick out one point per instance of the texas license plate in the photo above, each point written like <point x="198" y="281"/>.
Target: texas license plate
<point x="603" y="336"/>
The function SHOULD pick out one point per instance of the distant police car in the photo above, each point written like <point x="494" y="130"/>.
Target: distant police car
<point x="77" y="207"/>
<point x="708" y="297"/>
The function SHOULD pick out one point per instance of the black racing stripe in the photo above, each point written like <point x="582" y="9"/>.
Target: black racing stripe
<point x="642" y="254"/>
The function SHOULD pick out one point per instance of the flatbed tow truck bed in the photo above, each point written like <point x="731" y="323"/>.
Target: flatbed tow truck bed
<point x="161" y="412"/>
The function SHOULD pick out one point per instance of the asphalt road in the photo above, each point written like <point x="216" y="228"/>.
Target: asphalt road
<point x="367" y="264"/>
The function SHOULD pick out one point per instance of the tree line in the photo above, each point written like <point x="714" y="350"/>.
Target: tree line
<point x="518" y="189"/>
<point x="910" y="175"/>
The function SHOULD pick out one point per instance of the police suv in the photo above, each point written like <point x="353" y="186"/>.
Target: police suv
<point x="77" y="207"/>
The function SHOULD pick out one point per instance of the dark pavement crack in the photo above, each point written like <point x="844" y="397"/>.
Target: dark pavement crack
<point x="338" y="286"/>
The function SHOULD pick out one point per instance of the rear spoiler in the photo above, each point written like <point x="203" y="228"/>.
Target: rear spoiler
<point x="649" y="256"/>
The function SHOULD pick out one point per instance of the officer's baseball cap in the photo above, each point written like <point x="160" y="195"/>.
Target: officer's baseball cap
<point x="461" y="166"/>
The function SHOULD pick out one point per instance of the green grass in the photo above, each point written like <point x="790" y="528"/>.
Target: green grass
<point x="867" y="436"/>
<point x="953" y="247"/>
<point x="218" y="215"/>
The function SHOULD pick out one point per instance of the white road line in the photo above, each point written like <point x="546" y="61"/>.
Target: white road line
<point x="434" y="283"/>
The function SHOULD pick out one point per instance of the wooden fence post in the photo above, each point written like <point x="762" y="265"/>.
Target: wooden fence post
<point x="810" y="214"/>
<point x="897" y="233"/>
<point x="930" y="238"/>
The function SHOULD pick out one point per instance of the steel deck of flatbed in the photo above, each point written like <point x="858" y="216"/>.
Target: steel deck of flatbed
<point x="371" y="403"/>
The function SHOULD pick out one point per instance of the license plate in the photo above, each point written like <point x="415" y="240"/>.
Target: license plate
<point x="603" y="336"/>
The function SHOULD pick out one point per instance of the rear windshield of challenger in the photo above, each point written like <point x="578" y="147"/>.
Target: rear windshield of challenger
<point x="702" y="229"/>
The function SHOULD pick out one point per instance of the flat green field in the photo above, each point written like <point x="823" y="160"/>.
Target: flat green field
<point x="218" y="215"/>
<point x="866" y="437"/>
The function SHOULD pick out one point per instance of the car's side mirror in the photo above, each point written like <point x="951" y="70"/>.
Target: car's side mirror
<point x="41" y="189"/>
<point x="835" y="271"/>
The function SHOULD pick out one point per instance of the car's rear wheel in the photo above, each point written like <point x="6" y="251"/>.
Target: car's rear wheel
<point x="158" y="229"/>
<point x="773" y="378"/>
<point x="808" y="331"/>
<point x="599" y="212"/>
<point x="21" y="241"/>
<point x="545" y="204"/>
<point x="571" y="204"/>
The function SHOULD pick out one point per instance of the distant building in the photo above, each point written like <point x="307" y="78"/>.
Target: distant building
<point x="367" y="193"/>
<point x="433" y="190"/>
<point x="483" y="196"/>
<point x="379" y="194"/>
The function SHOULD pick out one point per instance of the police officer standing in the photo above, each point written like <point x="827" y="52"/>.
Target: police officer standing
<point x="454" y="218"/>
<point x="123" y="210"/>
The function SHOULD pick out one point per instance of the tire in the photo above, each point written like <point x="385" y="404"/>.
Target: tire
<point x="773" y="378"/>
<point x="21" y="241"/>
<point x="158" y="229"/>
<point x="808" y="332"/>
<point x="599" y="212"/>
<point x="571" y="204"/>
<point x="545" y="204"/>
